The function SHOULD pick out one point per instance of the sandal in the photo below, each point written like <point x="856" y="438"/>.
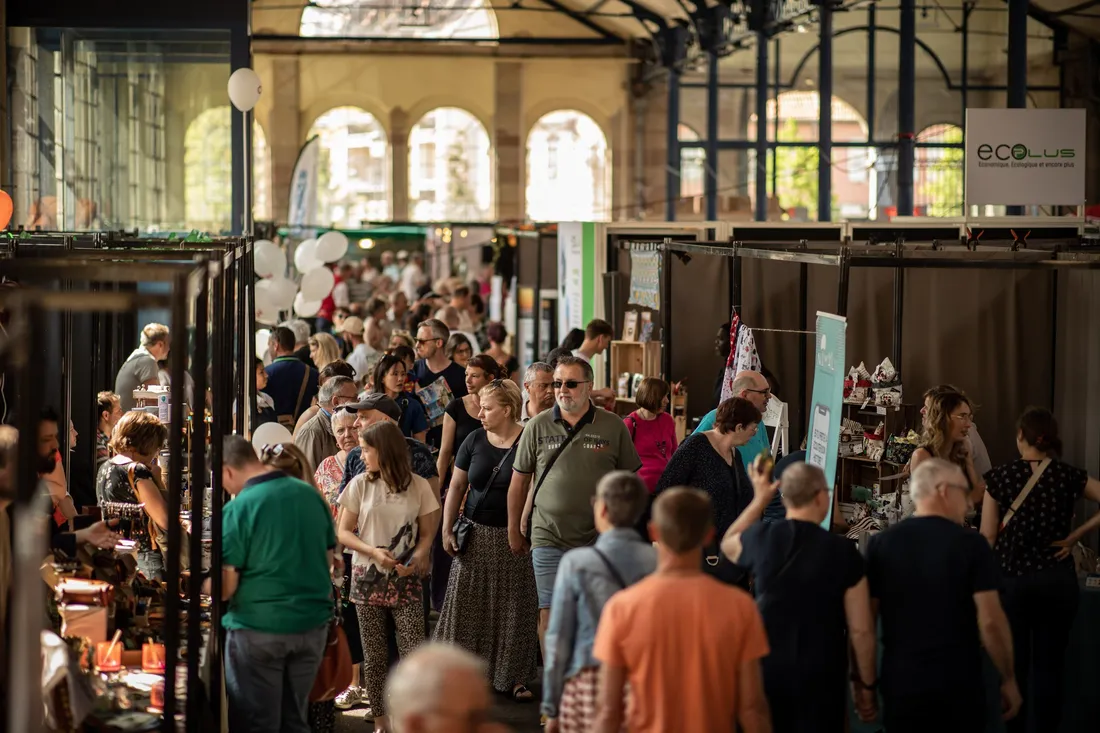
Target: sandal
<point x="520" y="693"/>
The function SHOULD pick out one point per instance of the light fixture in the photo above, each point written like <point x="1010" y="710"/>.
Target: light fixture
<point x="462" y="234"/>
<point x="366" y="243"/>
<point x="801" y="27"/>
<point x="438" y="231"/>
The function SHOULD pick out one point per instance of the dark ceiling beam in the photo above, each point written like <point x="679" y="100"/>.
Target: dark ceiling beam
<point x="1089" y="4"/>
<point x="583" y="20"/>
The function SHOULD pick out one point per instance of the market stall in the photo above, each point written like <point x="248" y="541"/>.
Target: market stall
<point x="171" y="628"/>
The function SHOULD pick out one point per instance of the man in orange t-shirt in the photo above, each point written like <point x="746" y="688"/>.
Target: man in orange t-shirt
<point x="689" y="645"/>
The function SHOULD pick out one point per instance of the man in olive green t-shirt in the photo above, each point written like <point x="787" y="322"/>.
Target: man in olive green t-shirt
<point x="561" y="510"/>
<point x="278" y="540"/>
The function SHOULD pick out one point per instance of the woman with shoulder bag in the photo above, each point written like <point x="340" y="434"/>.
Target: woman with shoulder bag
<point x="1027" y="518"/>
<point x="491" y="602"/>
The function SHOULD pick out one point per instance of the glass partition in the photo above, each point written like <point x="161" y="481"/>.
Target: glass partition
<point x="99" y="122"/>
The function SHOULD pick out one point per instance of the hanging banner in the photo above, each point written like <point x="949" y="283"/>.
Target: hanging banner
<point x="576" y="275"/>
<point x="525" y="327"/>
<point x="645" y="279"/>
<point x="828" y="397"/>
<point x="1025" y="157"/>
<point x="303" y="186"/>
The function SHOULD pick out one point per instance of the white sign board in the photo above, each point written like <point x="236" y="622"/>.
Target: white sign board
<point x="1025" y="157"/>
<point x="570" y="277"/>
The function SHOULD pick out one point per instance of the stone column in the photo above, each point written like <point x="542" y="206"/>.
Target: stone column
<point x="399" y="147"/>
<point x="284" y="134"/>
<point x="509" y="141"/>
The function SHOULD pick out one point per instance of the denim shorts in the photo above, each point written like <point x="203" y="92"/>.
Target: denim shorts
<point x="545" y="561"/>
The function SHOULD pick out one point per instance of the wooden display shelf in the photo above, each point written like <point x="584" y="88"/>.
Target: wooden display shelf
<point x="635" y="357"/>
<point x="861" y="470"/>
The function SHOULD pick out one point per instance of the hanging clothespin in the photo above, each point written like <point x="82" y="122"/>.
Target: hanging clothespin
<point x="1019" y="242"/>
<point x="971" y="240"/>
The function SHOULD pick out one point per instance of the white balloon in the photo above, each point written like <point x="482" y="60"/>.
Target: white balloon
<point x="262" y="337"/>
<point x="317" y="283"/>
<point x="331" y="246"/>
<point x="270" y="433"/>
<point x="306" y="308"/>
<point x="305" y="257"/>
<point x="269" y="259"/>
<point x="266" y="312"/>
<point x="281" y="292"/>
<point x="244" y="89"/>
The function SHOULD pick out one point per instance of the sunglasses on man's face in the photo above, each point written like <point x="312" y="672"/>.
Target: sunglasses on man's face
<point x="568" y="384"/>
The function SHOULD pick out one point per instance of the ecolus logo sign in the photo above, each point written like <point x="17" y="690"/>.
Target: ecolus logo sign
<point x="1021" y="152"/>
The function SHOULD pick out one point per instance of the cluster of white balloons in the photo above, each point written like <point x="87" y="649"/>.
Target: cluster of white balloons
<point x="275" y="292"/>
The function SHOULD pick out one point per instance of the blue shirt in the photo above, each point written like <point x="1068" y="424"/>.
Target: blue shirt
<point x="284" y="385"/>
<point x="582" y="587"/>
<point x="749" y="451"/>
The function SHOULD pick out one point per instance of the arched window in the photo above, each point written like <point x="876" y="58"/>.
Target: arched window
<point x="208" y="172"/>
<point x="794" y="168"/>
<point x="693" y="164"/>
<point x="938" y="172"/>
<point x="353" y="174"/>
<point x="568" y="169"/>
<point x="451" y="19"/>
<point x="450" y="167"/>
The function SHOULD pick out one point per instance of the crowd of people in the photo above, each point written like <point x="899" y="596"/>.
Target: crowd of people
<point x="464" y="526"/>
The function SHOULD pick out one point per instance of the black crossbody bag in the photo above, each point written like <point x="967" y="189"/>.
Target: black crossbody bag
<point x="538" y="484"/>
<point x="464" y="525"/>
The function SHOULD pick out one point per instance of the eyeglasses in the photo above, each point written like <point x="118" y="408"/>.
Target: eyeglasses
<point x="766" y="391"/>
<point x="427" y="341"/>
<point x="569" y="383"/>
<point x="965" y="417"/>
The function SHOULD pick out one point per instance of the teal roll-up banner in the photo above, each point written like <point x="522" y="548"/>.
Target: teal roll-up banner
<point x="827" y="401"/>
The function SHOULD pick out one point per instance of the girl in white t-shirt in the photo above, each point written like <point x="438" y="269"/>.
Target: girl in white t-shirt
<point x="396" y="513"/>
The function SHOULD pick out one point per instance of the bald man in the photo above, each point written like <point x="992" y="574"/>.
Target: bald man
<point x="809" y="614"/>
<point x="440" y="689"/>
<point x="754" y="387"/>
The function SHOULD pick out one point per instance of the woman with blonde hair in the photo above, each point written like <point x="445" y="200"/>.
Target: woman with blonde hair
<point x="402" y="338"/>
<point x="491" y="601"/>
<point x="132" y="476"/>
<point x="396" y="514"/>
<point x="324" y="349"/>
<point x="947" y="424"/>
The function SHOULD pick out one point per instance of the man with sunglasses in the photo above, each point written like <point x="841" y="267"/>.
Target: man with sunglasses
<point x="432" y="365"/>
<point x="563" y="453"/>
<point x="935" y="584"/>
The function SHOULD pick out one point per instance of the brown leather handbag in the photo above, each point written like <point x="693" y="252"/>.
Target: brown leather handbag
<point x="334" y="674"/>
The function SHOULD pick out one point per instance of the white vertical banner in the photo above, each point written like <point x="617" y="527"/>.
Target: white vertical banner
<point x="570" y="277"/>
<point x="1025" y="157"/>
<point x="302" y="211"/>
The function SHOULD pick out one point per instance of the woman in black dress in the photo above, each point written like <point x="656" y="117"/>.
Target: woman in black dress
<point x="710" y="461"/>
<point x="491" y="600"/>
<point x="1033" y="545"/>
<point x="460" y="419"/>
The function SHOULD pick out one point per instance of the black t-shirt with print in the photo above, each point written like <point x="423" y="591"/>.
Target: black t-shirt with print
<point x="1044" y="517"/>
<point x="924" y="572"/>
<point x="488" y="491"/>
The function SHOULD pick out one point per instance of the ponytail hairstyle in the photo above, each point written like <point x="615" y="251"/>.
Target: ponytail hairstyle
<point x="1040" y="430"/>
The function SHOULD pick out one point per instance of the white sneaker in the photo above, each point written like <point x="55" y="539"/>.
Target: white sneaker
<point x="349" y="698"/>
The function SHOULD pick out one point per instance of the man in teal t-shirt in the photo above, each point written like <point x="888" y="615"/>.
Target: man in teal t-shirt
<point x="278" y="540"/>
<point x="753" y="387"/>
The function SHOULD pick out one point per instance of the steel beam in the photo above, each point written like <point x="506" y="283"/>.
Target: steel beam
<point x="871" y="43"/>
<point x="711" y="185"/>
<point x="825" y="114"/>
<point x="762" y="126"/>
<point x="672" y="164"/>
<point x="583" y="20"/>
<point x="907" y="98"/>
<point x="1017" y="65"/>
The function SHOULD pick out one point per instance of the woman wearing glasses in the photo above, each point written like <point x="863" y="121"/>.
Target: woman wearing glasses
<point x="947" y="424"/>
<point x="459" y="349"/>
<point x="396" y="514"/>
<point x="490" y="600"/>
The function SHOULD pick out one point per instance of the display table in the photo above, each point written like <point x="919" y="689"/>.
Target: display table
<point x="1081" y="706"/>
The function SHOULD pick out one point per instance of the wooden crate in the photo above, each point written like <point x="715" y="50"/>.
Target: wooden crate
<point x="636" y="357"/>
